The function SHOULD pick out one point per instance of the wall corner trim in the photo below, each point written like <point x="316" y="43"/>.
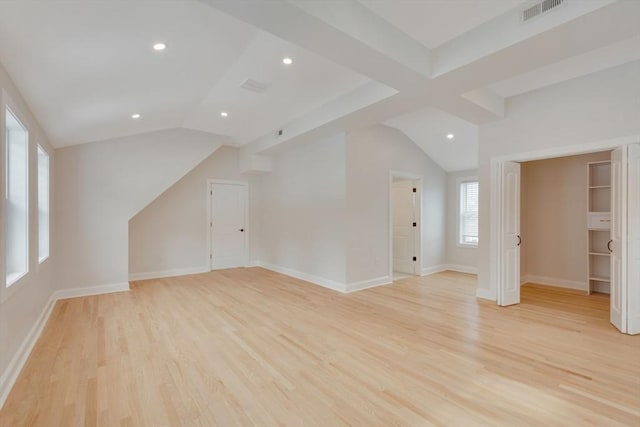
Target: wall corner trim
<point x="168" y="273"/>
<point x="10" y="375"/>
<point x="316" y="280"/>
<point x="485" y="294"/>
<point x="370" y="283"/>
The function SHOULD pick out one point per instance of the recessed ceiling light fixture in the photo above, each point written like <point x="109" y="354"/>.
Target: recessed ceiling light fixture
<point x="159" y="46"/>
<point x="450" y="136"/>
<point x="135" y="116"/>
<point x="287" y="61"/>
<point x="224" y="114"/>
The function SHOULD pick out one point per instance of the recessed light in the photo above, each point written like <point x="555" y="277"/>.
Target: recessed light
<point x="159" y="46"/>
<point x="450" y="136"/>
<point x="224" y="114"/>
<point x="135" y="116"/>
<point x="287" y="61"/>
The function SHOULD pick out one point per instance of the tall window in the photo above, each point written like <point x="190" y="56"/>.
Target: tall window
<point x="43" y="204"/>
<point x="469" y="213"/>
<point x="17" y="200"/>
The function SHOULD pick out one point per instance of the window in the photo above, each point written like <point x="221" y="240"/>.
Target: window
<point x="469" y="213"/>
<point x="43" y="205"/>
<point x="17" y="200"/>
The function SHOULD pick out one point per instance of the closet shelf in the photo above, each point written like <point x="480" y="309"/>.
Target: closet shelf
<point x="599" y="279"/>
<point x="600" y="253"/>
<point x="595" y="187"/>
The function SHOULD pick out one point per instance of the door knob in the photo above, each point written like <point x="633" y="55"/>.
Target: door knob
<point x="519" y="240"/>
<point x="609" y="246"/>
<point x="242" y="230"/>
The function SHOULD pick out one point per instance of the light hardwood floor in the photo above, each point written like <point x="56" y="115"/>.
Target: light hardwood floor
<point x="251" y="347"/>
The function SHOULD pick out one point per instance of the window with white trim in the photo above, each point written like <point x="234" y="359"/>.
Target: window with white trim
<point x="16" y="198"/>
<point x="469" y="197"/>
<point x="43" y="204"/>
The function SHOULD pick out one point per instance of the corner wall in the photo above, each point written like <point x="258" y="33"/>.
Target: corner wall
<point x="372" y="154"/>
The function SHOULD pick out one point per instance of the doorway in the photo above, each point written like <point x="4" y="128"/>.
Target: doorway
<point x="622" y="245"/>
<point x="227" y="224"/>
<point x="405" y="225"/>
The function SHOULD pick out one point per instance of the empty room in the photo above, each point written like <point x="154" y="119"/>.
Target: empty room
<point x="320" y="213"/>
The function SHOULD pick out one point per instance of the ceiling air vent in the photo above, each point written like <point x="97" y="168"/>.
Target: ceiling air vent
<point x="540" y="9"/>
<point x="254" y="86"/>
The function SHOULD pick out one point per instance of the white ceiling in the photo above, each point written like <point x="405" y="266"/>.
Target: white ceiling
<point x="434" y="22"/>
<point x="86" y="67"/>
<point x="428" y="128"/>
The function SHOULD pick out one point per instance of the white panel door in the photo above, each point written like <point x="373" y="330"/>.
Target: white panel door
<point x="618" y="242"/>
<point x="633" y="231"/>
<point x="228" y="228"/>
<point x="403" y="202"/>
<point x="509" y="290"/>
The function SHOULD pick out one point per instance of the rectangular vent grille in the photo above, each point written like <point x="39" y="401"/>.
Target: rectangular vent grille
<point x="254" y="86"/>
<point x="540" y="9"/>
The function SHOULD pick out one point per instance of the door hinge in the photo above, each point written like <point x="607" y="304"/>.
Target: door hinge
<point x="211" y="192"/>
<point x="210" y="256"/>
<point x="211" y="224"/>
<point x="415" y="189"/>
<point x="415" y="259"/>
<point x="415" y="224"/>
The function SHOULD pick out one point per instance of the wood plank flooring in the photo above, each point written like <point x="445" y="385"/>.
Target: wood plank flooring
<point x="252" y="347"/>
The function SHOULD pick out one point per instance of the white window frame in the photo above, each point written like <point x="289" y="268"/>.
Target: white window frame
<point x="39" y="147"/>
<point x="7" y="103"/>
<point x="459" y="182"/>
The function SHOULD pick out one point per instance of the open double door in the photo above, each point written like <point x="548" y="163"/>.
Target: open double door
<point x="624" y="245"/>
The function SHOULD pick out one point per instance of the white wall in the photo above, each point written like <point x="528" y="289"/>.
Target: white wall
<point x="596" y="107"/>
<point x="371" y="154"/>
<point x="462" y="257"/>
<point x="553" y="226"/>
<point x="169" y="236"/>
<point x="298" y="212"/>
<point x="23" y="303"/>
<point x="101" y="185"/>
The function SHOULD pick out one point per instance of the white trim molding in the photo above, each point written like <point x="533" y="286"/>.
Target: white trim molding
<point x="366" y="284"/>
<point x="485" y="294"/>
<point x="168" y="273"/>
<point x="316" y="280"/>
<point x="555" y="282"/>
<point x="468" y="269"/>
<point x="10" y="375"/>
<point x="427" y="271"/>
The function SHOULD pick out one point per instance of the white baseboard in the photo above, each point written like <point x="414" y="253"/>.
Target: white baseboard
<point x="168" y="273"/>
<point x="433" y="270"/>
<point x="93" y="290"/>
<point x="10" y="375"/>
<point x="485" y="294"/>
<point x="461" y="268"/>
<point x="371" y="283"/>
<point x="552" y="281"/>
<point x="316" y="280"/>
<point x="633" y="325"/>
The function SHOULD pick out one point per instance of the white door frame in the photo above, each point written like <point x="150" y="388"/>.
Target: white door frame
<point x="417" y="241"/>
<point x="496" y="225"/>
<point x="245" y="184"/>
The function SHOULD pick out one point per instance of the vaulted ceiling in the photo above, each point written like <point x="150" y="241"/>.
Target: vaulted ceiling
<point x="428" y="68"/>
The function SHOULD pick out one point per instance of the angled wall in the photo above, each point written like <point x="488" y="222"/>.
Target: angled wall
<point x="101" y="185"/>
<point x="169" y="236"/>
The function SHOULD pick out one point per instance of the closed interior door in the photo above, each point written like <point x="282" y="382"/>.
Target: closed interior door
<point x="510" y="260"/>
<point x="228" y="228"/>
<point x="403" y="203"/>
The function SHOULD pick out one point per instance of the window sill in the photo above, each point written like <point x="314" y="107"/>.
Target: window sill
<point x="14" y="278"/>
<point x="468" y="245"/>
